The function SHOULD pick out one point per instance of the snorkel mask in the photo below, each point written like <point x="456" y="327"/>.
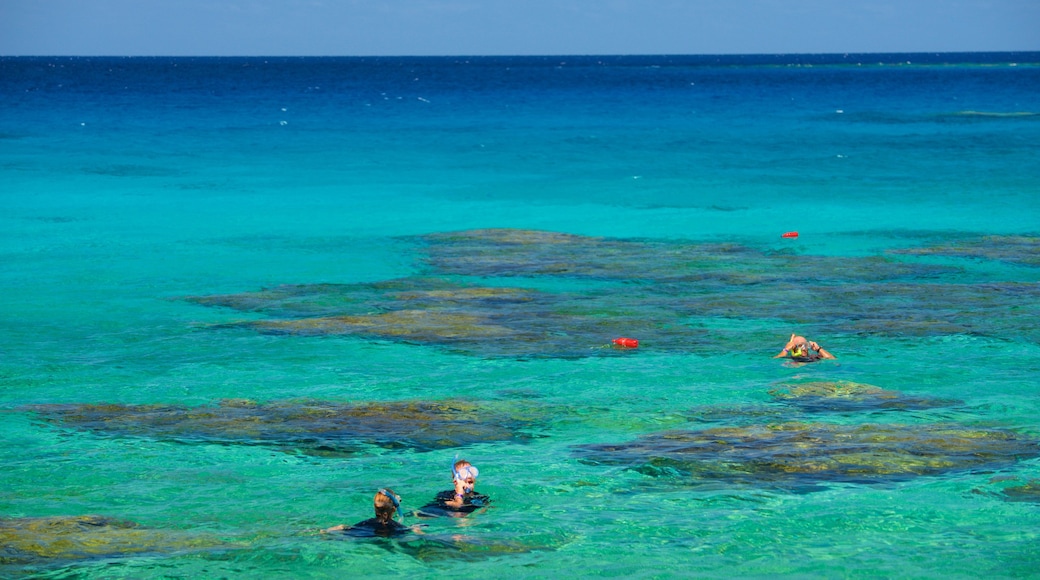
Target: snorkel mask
<point x="467" y="471"/>
<point x="394" y="500"/>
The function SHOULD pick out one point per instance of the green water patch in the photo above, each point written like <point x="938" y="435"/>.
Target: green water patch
<point x="1022" y="250"/>
<point x="806" y="455"/>
<point x="442" y="548"/>
<point x="318" y="428"/>
<point x="28" y="545"/>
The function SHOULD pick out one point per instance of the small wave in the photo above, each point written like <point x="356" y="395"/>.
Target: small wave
<point x="130" y="170"/>
<point x="996" y="114"/>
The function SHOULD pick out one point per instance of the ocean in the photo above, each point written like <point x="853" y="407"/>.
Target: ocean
<point x="241" y="295"/>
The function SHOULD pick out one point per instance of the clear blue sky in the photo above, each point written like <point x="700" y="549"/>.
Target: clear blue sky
<point x="488" y="27"/>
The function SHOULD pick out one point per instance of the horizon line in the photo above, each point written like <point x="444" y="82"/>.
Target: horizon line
<point x="525" y="55"/>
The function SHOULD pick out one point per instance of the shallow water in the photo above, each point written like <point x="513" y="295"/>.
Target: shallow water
<point x="137" y="190"/>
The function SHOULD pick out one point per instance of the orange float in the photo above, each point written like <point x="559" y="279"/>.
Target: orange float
<point x="789" y="235"/>
<point x="626" y="342"/>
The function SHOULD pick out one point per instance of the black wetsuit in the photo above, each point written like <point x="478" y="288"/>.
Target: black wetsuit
<point x="471" y="502"/>
<point x="373" y="527"/>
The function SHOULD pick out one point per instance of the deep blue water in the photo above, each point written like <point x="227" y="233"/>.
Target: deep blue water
<point x="588" y="198"/>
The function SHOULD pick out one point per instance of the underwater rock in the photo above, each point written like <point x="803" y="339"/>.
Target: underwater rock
<point x="886" y="309"/>
<point x="311" y="427"/>
<point x="795" y="454"/>
<point x="845" y="396"/>
<point x="1023" y="250"/>
<point x="315" y="300"/>
<point x="487" y="321"/>
<point x="648" y="290"/>
<point x="416" y="325"/>
<point x="1029" y="492"/>
<point x="517" y="252"/>
<point x="30" y="543"/>
<point x="513" y="322"/>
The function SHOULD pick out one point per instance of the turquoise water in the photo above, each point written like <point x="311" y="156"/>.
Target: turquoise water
<point x="131" y="186"/>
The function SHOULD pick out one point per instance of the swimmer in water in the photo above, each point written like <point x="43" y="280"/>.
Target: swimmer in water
<point x="387" y="503"/>
<point x="799" y="349"/>
<point x="461" y="500"/>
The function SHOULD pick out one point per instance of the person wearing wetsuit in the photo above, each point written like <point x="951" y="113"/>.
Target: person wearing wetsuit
<point x="387" y="503"/>
<point x="461" y="500"/>
<point x="799" y="349"/>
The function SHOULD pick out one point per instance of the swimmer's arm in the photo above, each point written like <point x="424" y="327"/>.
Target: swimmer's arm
<point x="787" y="347"/>
<point x="823" y="353"/>
<point x="460" y="495"/>
<point x="338" y="528"/>
<point x="456" y="502"/>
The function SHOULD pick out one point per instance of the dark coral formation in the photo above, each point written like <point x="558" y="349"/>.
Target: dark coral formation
<point x="847" y="396"/>
<point x="483" y="320"/>
<point x="512" y="253"/>
<point x="32" y="543"/>
<point x="793" y="454"/>
<point x="649" y="290"/>
<point x="886" y="309"/>
<point x="345" y="300"/>
<point x="312" y="427"/>
<point x="1027" y="492"/>
<point x="1023" y="250"/>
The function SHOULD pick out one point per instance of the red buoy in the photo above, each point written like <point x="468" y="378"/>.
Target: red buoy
<point x="789" y="235"/>
<point x="626" y="342"/>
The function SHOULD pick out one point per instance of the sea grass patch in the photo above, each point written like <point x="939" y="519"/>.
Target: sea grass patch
<point x="799" y="454"/>
<point x="56" y="541"/>
<point x="507" y="252"/>
<point x="310" y="427"/>
<point x="848" y="396"/>
<point x="487" y="321"/>
<point x="1021" y="250"/>
<point x="1027" y="492"/>
<point x="647" y="289"/>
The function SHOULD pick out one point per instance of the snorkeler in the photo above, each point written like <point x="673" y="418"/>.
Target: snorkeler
<point x="799" y="349"/>
<point x="461" y="500"/>
<point x="387" y="503"/>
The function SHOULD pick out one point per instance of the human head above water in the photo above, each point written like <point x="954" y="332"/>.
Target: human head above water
<point x="798" y="346"/>
<point x="803" y="350"/>
<point x="464" y="474"/>
<point x="386" y="503"/>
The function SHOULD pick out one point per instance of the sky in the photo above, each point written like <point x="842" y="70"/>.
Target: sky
<point x="511" y="27"/>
